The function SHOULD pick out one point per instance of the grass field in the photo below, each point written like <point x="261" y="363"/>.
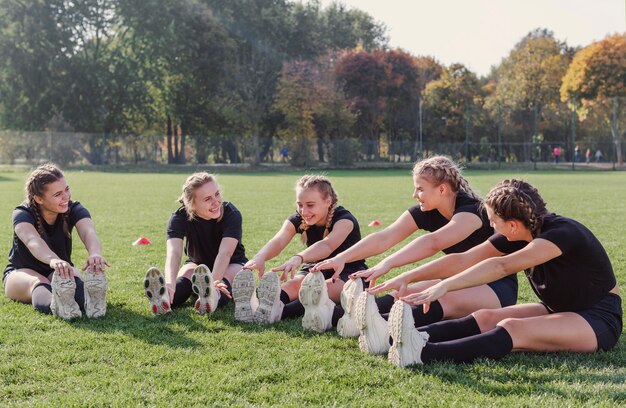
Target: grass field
<point x="131" y="358"/>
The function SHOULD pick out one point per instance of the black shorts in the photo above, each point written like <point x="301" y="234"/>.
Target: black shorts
<point x="605" y="318"/>
<point x="506" y="290"/>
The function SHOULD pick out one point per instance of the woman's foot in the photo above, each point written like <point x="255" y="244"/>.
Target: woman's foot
<point x="244" y="295"/>
<point x="346" y="326"/>
<point x="95" y="294"/>
<point x="318" y="308"/>
<point x="63" y="303"/>
<point x="202" y="285"/>
<point x="154" y="287"/>
<point x="270" y="307"/>
<point x="374" y="331"/>
<point x="408" y="342"/>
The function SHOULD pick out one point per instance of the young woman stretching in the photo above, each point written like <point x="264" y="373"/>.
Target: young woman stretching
<point x="452" y="212"/>
<point x="567" y="267"/>
<point x="40" y="269"/>
<point x="326" y="229"/>
<point x="211" y="229"/>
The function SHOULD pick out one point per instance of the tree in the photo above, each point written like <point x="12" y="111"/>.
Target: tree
<point x="597" y="78"/>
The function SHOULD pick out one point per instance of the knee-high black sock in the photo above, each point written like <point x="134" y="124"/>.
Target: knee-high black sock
<point x="293" y="309"/>
<point x="494" y="344"/>
<point x="41" y="298"/>
<point x="183" y="291"/>
<point x="435" y="314"/>
<point x="451" y="329"/>
<point x="338" y="312"/>
<point x="223" y="298"/>
<point x="385" y="303"/>
<point x="284" y="297"/>
<point x="79" y="294"/>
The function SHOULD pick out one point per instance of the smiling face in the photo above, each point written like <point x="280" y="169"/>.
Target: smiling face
<point x="312" y="206"/>
<point x="56" y="197"/>
<point x="428" y="194"/>
<point x="207" y="201"/>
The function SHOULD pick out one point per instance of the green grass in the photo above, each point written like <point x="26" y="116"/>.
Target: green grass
<point x="132" y="358"/>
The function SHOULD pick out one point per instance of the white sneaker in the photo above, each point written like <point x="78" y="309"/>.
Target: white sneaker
<point x="202" y="285"/>
<point x="95" y="294"/>
<point x="408" y="342"/>
<point x="244" y="296"/>
<point x="63" y="303"/>
<point x="346" y="326"/>
<point x="154" y="287"/>
<point x="374" y="337"/>
<point x="318" y="308"/>
<point x="270" y="307"/>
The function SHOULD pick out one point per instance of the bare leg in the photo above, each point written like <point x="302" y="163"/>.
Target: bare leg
<point x="20" y="283"/>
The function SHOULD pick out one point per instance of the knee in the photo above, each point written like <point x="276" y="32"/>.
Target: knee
<point x="486" y="318"/>
<point x="511" y="325"/>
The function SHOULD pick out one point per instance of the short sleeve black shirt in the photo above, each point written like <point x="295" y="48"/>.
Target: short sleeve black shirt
<point x="579" y="277"/>
<point x="433" y="220"/>
<point x="54" y="236"/>
<point x="315" y="233"/>
<point x="203" y="237"/>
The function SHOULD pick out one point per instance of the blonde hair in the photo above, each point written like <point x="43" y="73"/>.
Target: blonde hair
<point x="517" y="200"/>
<point x="36" y="185"/>
<point x="194" y="182"/>
<point x="439" y="170"/>
<point x="323" y="185"/>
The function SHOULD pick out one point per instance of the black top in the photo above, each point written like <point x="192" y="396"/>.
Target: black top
<point x="61" y="244"/>
<point x="205" y="236"/>
<point x="579" y="277"/>
<point x="433" y="220"/>
<point x="315" y="233"/>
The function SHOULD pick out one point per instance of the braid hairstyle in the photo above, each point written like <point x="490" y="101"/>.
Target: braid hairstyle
<point x="439" y="170"/>
<point x="36" y="185"/>
<point x="517" y="200"/>
<point x="194" y="182"/>
<point x="323" y="185"/>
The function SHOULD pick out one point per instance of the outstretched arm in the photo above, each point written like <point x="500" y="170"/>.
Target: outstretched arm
<point x="39" y="249"/>
<point x="273" y="247"/>
<point x="87" y="233"/>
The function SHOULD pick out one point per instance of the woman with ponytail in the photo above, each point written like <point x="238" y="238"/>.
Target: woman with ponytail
<point x="567" y="267"/>
<point x="326" y="229"/>
<point x="452" y="214"/>
<point x="208" y="230"/>
<point x="40" y="269"/>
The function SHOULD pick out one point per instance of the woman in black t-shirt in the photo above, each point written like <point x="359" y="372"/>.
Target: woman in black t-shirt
<point x="40" y="269"/>
<point x="326" y="229"/>
<point x="209" y="231"/>
<point x="567" y="267"/>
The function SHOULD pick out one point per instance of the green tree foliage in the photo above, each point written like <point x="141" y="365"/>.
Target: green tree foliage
<point x="596" y="79"/>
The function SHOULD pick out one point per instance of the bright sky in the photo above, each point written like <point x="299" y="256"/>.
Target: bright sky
<point x="479" y="33"/>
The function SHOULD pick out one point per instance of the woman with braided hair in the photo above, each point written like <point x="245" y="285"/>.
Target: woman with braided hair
<point x="40" y="269"/>
<point x="326" y="230"/>
<point x="452" y="213"/>
<point x="567" y="267"/>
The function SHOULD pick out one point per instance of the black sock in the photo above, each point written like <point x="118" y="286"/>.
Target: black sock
<point x="284" y="297"/>
<point x="494" y="344"/>
<point x="452" y="329"/>
<point x="41" y="297"/>
<point x="183" y="291"/>
<point x="338" y="312"/>
<point x="293" y="309"/>
<point x="79" y="294"/>
<point x="223" y="298"/>
<point x="385" y="303"/>
<point x="435" y="314"/>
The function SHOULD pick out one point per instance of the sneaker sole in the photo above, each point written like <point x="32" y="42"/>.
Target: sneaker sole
<point x="404" y="350"/>
<point x="154" y="288"/>
<point x="360" y="317"/>
<point x="95" y="294"/>
<point x="310" y="295"/>
<point x="63" y="304"/>
<point x="269" y="299"/>
<point x="243" y="290"/>
<point x="202" y="285"/>
<point x="346" y="326"/>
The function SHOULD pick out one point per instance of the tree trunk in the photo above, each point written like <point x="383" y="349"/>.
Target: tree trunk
<point x="255" y="144"/>
<point x="181" y="158"/>
<point x="170" y="153"/>
<point x="176" y="151"/>
<point x="615" y="132"/>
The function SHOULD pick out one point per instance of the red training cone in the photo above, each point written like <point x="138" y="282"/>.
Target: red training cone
<point x="374" y="223"/>
<point x="142" y="241"/>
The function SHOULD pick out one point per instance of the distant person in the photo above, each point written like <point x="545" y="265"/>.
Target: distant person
<point x="588" y="155"/>
<point x="577" y="154"/>
<point x="284" y="153"/>
<point x="40" y="269"/>
<point x="208" y="229"/>
<point x="556" y="152"/>
<point x="599" y="156"/>
<point x="579" y="308"/>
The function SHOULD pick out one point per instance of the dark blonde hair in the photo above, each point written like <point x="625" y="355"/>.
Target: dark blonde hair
<point x="194" y="182"/>
<point x="517" y="200"/>
<point x="439" y="170"/>
<point x="323" y="185"/>
<point x="36" y="185"/>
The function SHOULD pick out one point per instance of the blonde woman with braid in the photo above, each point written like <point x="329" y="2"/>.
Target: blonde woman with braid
<point x="40" y="269"/>
<point x="579" y="308"/>
<point x="452" y="214"/>
<point x="326" y="229"/>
